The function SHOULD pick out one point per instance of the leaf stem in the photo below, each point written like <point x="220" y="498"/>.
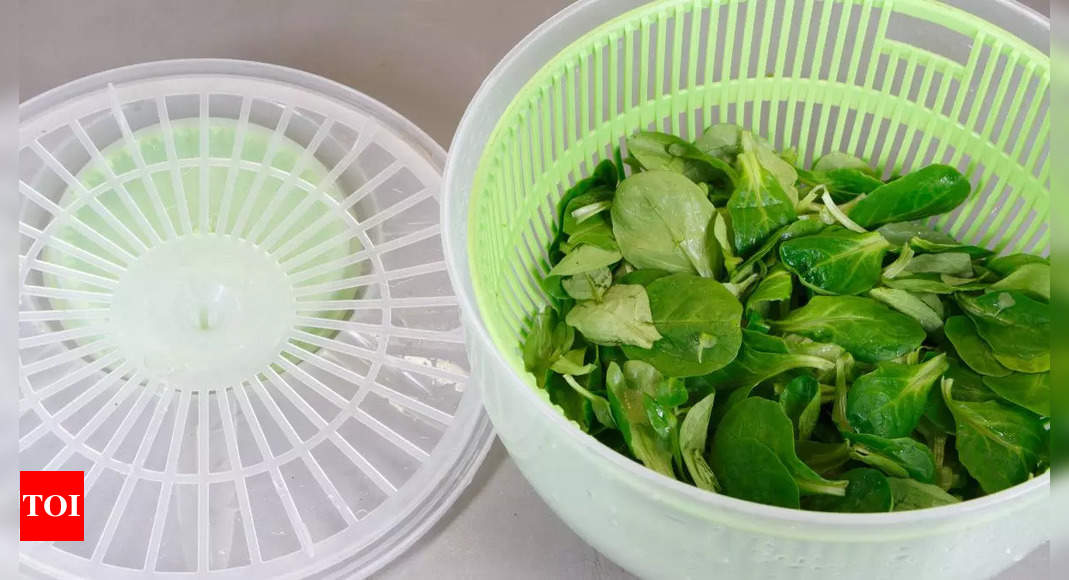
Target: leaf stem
<point x="806" y="203"/>
<point x="815" y="362"/>
<point x="838" y="412"/>
<point x="599" y="404"/>
<point x="900" y="263"/>
<point x="836" y="488"/>
<point x="838" y="214"/>
<point x="590" y="210"/>
<point x="738" y="288"/>
<point x="939" y="449"/>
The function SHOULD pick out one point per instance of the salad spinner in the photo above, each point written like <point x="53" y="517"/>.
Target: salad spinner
<point x="902" y="83"/>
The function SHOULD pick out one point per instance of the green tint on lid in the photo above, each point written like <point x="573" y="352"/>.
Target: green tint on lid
<point x="209" y="296"/>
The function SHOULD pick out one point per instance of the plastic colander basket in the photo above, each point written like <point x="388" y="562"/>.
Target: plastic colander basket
<point x="902" y="83"/>
<point x="235" y="320"/>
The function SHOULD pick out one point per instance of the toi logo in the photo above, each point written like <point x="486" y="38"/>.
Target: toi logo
<point x="51" y="506"/>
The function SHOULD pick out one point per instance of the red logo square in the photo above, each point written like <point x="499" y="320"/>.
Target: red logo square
<point x="51" y="506"/>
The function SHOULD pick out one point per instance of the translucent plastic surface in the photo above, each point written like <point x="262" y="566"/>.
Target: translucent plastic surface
<point x="235" y="318"/>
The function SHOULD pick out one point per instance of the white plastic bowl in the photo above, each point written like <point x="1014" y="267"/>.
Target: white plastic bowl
<point x="660" y="528"/>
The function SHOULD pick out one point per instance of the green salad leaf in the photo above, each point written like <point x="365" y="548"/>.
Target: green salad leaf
<point x="999" y="444"/>
<point x="760" y="357"/>
<point x="800" y="400"/>
<point x="1029" y="391"/>
<point x="929" y="191"/>
<point x="1032" y="280"/>
<point x="662" y="220"/>
<point x="660" y="151"/>
<point x="823" y="457"/>
<point x="589" y="285"/>
<point x="910" y="495"/>
<point x="622" y="317"/>
<point x="889" y="401"/>
<point x="867" y="491"/>
<point x="867" y="329"/>
<point x="692" y="443"/>
<point x="698" y="321"/>
<point x="900" y="233"/>
<point x="776" y="286"/>
<point x="836" y="260"/>
<point x="897" y="457"/>
<point x="759" y="206"/>
<point x="1015" y="326"/>
<point x="546" y="342"/>
<point x="927" y="312"/>
<point x="972" y="349"/>
<point x="844" y="175"/>
<point x="760" y="421"/>
<point x="585" y="258"/>
<point x="721" y="141"/>
<point x="630" y="388"/>
<point x="952" y="263"/>
<point x="1006" y="265"/>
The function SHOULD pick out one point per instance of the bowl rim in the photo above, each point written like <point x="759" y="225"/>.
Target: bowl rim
<point x="456" y="183"/>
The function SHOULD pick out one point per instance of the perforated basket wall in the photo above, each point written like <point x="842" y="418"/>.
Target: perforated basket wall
<point x="902" y="83"/>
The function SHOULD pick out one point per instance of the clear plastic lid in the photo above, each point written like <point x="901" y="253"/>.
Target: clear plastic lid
<point x="235" y="318"/>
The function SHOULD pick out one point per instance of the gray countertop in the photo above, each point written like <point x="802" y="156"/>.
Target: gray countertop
<point x="424" y="58"/>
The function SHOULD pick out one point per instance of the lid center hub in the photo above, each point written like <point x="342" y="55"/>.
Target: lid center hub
<point x="203" y="311"/>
